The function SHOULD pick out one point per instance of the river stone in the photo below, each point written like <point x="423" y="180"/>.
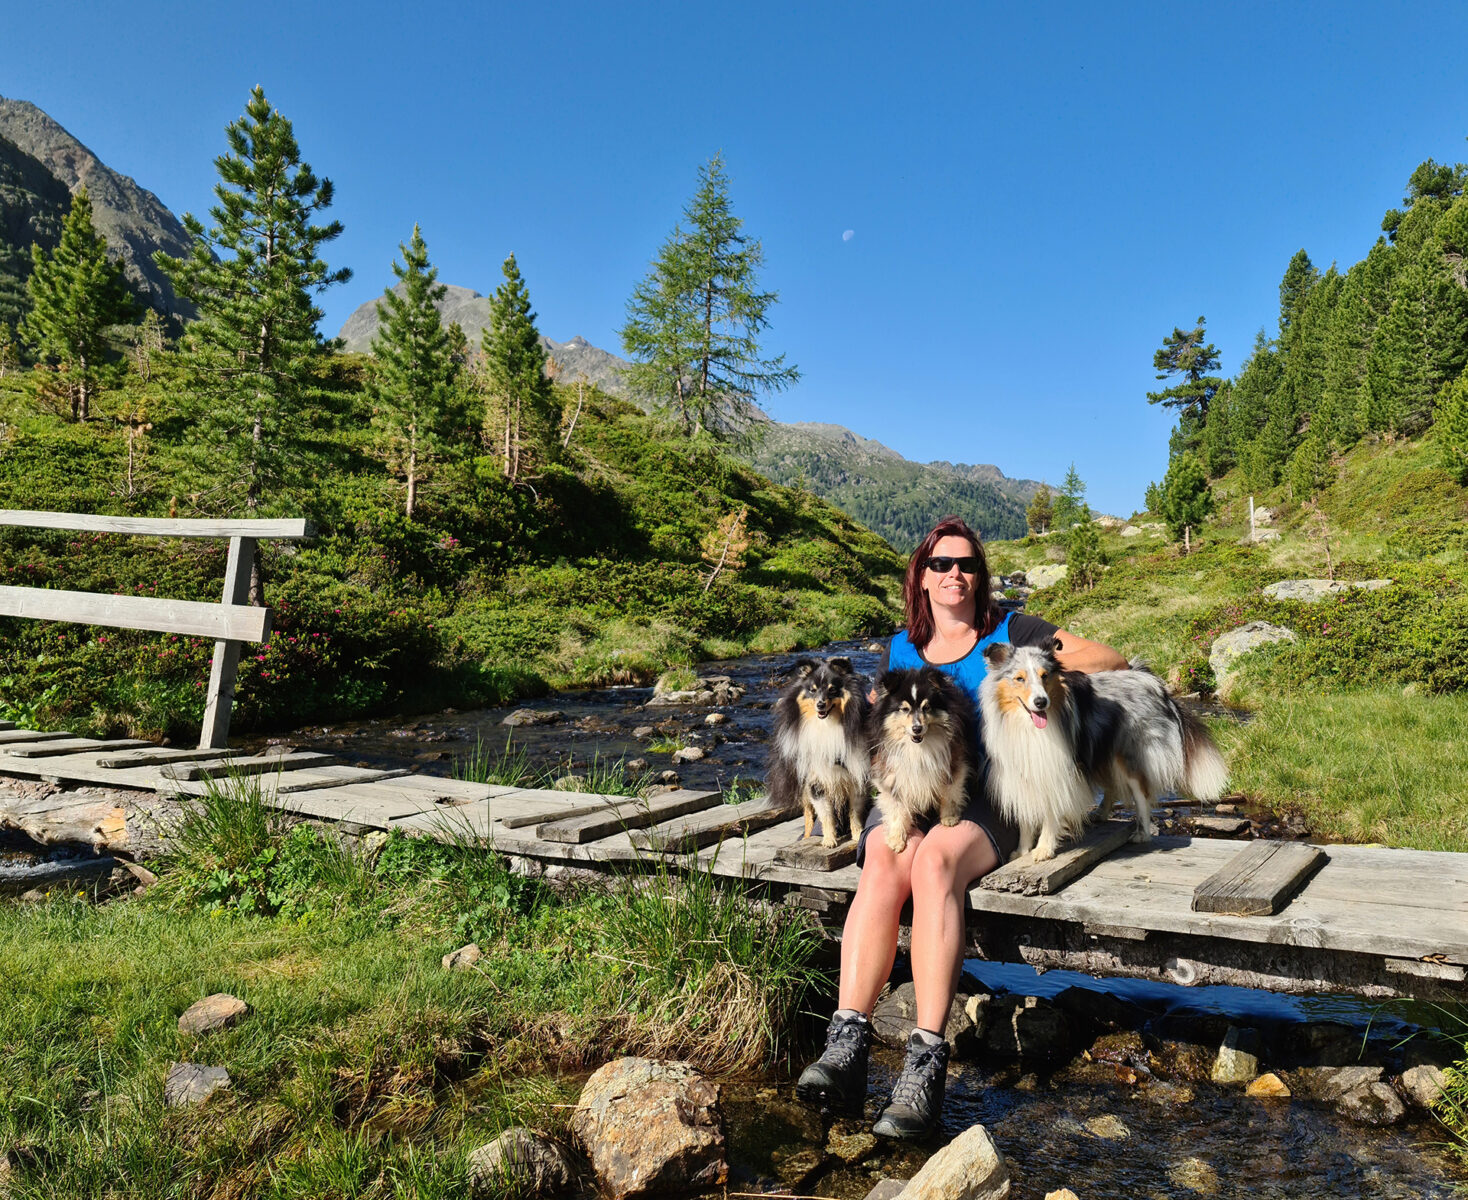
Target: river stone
<point x="570" y="783"/>
<point x="636" y="766"/>
<point x="1028" y="1027"/>
<point x="643" y="732"/>
<point x="895" y="1015"/>
<point x="1108" y="1127"/>
<point x="1310" y="591"/>
<point x="1195" y="1175"/>
<point x="887" y="1189"/>
<point x="1229" y="647"/>
<point x="651" y="1127"/>
<point x="1238" y="1057"/>
<point x="710" y="689"/>
<point x="190" y="1083"/>
<point x="1331" y="1083"/>
<point x="716" y="719"/>
<point x="1168" y="1094"/>
<point x="1061" y="1194"/>
<point x="463" y="958"/>
<point x="970" y="1167"/>
<point x="1046" y="575"/>
<point x="522" y="1162"/>
<point x="689" y="754"/>
<point x="1423" y="1085"/>
<point x="1270" y="1086"/>
<point x="1372" y="1104"/>
<point x="530" y="716"/>
<point x="218" y="1011"/>
<point x="850" y="1147"/>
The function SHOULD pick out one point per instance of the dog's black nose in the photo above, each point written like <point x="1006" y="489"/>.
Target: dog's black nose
<point x="1042" y="703"/>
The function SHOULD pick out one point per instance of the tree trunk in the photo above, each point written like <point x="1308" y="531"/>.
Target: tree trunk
<point x="79" y="408"/>
<point x="412" y="467"/>
<point x="580" y="399"/>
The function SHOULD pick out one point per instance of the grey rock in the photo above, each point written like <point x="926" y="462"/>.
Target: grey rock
<point x="521" y="1162"/>
<point x="1423" y="1085"/>
<point x="716" y="718"/>
<point x="887" y="1189"/>
<point x="1131" y="531"/>
<point x="970" y="1167"/>
<point x="895" y="1014"/>
<point x="190" y="1083"/>
<point x="1238" y="1057"/>
<point x="1259" y="535"/>
<point x="463" y="958"/>
<point x="689" y="754"/>
<point x="1372" y="1104"/>
<point x="850" y="1147"/>
<point x="1331" y="1083"/>
<point x="218" y="1011"/>
<point x="643" y="732"/>
<point x="530" y="716"/>
<point x="1046" y="575"/>
<point x="637" y="766"/>
<point x="1311" y="591"/>
<point x="711" y="689"/>
<point x="1195" y="1175"/>
<point x="1229" y="647"/>
<point x="1028" y="1028"/>
<point x="1222" y="826"/>
<point x="1109" y="1128"/>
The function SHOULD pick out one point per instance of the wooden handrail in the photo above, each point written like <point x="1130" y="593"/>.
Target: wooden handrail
<point x="231" y="623"/>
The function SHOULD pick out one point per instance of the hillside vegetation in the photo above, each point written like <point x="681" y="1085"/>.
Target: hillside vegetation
<point x="593" y="571"/>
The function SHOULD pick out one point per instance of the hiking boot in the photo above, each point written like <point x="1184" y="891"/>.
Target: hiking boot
<point x="917" y="1097"/>
<point x="838" y="1079"/>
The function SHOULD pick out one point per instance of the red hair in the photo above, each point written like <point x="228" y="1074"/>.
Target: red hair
<point x="915" y="600"/>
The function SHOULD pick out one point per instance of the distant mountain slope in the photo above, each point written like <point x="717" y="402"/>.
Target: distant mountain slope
<point x="33" y="205"/>
<point x="865" y="479"/>
<point x="133" y="220"/>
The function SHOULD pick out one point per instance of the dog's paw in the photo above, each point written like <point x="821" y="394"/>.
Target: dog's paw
<point x="1043" y="854"/>
<point x="1142" y="834"/>
<point x="828" y="838"/>
<point x="950" y="819"/>
<point x="896" y="840"/>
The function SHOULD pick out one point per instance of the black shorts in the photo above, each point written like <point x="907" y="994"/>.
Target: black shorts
<point x="979" y="810"/>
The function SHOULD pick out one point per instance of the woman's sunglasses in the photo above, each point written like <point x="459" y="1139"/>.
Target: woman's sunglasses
<point x="943" y="563"/>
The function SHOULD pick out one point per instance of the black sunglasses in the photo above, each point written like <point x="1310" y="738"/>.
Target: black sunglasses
<point x="943" y="563"/>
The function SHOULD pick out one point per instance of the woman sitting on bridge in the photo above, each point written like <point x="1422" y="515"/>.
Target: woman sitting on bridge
<point x="951" y="618"/>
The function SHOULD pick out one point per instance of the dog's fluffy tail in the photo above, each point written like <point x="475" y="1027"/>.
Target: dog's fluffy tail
<point x="1205" y="774"/>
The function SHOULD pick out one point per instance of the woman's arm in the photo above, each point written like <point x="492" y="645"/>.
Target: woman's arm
<point x="1078" y="654"/>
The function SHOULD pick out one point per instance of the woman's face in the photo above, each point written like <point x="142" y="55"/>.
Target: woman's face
<point x="952" y="589"/>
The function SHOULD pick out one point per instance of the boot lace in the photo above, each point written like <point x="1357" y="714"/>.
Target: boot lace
<point x="920" y="1073"/>
<point x="844" y="1043"/>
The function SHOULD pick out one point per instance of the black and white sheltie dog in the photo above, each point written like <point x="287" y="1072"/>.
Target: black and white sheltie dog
<point x="922" y="738"/>
<point x="1054" y="736"/>
<point x="819" y="759"/>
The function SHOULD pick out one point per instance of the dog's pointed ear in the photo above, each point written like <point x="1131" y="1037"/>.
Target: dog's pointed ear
<point x="840" y="663"/>
<point x="803" y="667"/>
<point x="1051" y="646"/>
<point x="997" y="654"/>
<point x="883" y="686"/>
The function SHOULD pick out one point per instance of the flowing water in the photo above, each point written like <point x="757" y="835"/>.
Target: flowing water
<point x="1099" y="1127"/>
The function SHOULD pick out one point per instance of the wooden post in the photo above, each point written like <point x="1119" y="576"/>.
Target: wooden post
<point x="215" y="732"/>
<point x="1251" y="518"/>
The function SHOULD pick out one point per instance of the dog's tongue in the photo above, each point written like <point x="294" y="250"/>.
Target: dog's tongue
<point x="1039" y="719"/>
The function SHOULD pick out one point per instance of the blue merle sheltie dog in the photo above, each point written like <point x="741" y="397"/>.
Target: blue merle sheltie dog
<point x="819" y="759"/>
<point x="1054" y="736"/>
<point x="923" y="741"/>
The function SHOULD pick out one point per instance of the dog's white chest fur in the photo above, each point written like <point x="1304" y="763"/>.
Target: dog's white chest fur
<point x="821" y="753"/>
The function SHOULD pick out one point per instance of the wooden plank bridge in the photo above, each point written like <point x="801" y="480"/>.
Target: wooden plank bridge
<point x="1363" y="919"/>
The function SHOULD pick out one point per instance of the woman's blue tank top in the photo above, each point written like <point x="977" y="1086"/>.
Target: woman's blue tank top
<point x="968" y="672"/>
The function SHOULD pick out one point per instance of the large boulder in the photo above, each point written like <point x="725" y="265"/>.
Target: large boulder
<point x="522" y="1162"/>
<point x="895" y="1015"/>
<point x="650" y="1127"/>
<point x="1238" y="1057"/>
<point x="1046" y="575"/>
<point x="1372" y="1104"/>
<point x="1424" y="1085"/>
<point x="1312" y="590"/>
<point x="1028" y="1028"/>
<point x="707" y="689"/>
<point x="970" y="1167"/>
<point x="1229" y="647"/>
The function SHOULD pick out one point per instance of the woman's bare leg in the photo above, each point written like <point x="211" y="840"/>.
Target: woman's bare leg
<point x="948" y="861"/>
<point x="869" y="938"/>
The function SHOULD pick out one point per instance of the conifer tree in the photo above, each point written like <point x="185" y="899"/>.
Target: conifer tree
<point x="414" y="366"/>
<point x="1153" y="499"/>
<point x="520" y="414"/>
<point x="1452" y="428"/>
<point x="249" y="356"/>
<point x="1070" y="504"/>
<point x="75" y="294"/>
<point x="693" y="324"/>
<point x="1041" y="512"/>
<point x="1083" y="556"/>
<point x="1186" y="500"/>
<point x="1185" y="353"/>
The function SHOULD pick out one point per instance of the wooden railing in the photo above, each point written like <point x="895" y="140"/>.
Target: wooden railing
<point x="231" y="623"/>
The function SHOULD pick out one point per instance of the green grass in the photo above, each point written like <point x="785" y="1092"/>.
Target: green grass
<point x="364" y="1069"/>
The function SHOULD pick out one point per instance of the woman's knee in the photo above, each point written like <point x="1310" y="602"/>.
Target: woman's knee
<point x="886" y="879"/>
<point x="952" y="861"/>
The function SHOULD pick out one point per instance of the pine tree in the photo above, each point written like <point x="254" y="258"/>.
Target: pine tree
<point x="1070" y="504"/>
<point x="1186" y="500"/>
<point x="249" y="356"/>
<point x="1153" y="499"/>
<point x="1452" y="428"/>
<point x="521" y="419"/>
<point x="693" y="323"/>
<point x="1041" y="513"/>
<point x="1309" y="467"/>
<point x="1185" y="353"/>
<point x="414" y="367"/>
<point x="75" y="295"/>
<point x="1083" y="556"/>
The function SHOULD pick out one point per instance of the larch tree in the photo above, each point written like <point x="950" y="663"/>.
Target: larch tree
<point x="248" y="358"/>
<point x="1070" y="504"/>
<point x="75" y="295"/>
<point x="694" y="323"/>
<point x="414" y="368"/>
<point x="520" y="416"/>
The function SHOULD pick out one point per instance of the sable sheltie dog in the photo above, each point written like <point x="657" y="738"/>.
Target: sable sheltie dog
<point x="1054" y="736"/>
<point x="820" y="756"/>
<point x="923" y="739"/>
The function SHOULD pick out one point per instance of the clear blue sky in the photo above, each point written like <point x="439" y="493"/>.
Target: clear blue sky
<point x="1037" y="193"/>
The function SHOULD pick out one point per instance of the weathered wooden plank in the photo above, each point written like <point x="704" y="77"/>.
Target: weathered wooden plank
<point x="317" y="778"/>
<point x="290" y="529"/>
<point x="259" y="764"/>
<point x="1030" y="878"/>
<point x="62" y="820"/>
<point x="361" y="804"/>
<point x="560" y="806"/>
<point x="703" y="828"/>
<point x="156" y="756"/>
<point x="631" y="813"/>
<point x="238" y="623"/>
<point x="224" y="666"/>
<point x="1260" y="879"/>
<point x="7" y="724"/>
<point x="14" y="737"/>
<point x="808" y="854"/>
<point x="55" y="746"/>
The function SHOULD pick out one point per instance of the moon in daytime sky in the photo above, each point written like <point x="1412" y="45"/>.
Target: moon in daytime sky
<point x="848" y="235"/>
